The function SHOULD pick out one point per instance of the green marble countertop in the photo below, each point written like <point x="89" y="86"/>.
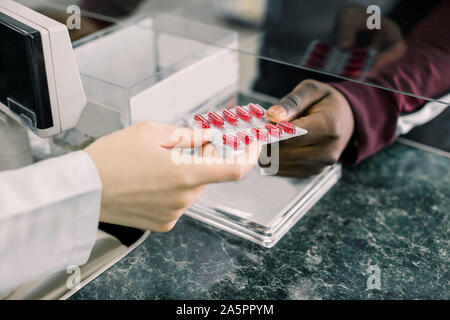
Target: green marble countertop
<point x="391" y="211"/>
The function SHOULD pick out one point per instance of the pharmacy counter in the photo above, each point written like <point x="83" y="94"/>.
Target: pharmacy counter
<point x="387" y="220"/>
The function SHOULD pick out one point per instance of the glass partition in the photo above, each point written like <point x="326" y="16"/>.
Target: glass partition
<point x="265" y="60"/>
<point x="398" y="45"/>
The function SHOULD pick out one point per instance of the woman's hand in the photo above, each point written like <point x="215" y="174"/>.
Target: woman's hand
<point x="144" y="187"/>
<point x="326" y="114"/>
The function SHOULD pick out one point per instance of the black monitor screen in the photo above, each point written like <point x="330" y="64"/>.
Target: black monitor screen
<point x="23" y="79"/>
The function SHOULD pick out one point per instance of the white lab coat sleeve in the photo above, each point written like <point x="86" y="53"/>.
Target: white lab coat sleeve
<point x="49" y="215"/>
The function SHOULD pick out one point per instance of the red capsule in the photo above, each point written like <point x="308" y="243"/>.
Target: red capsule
<point x="257" y="110"/>
<point x="243" y="114"/>
<point x="260" y="134"/>
<point x="352" y="73"/>
<point x="230" y="117"/>
<point x="230" y="141"/>
<point x="322" y="48"/>
<point x="245" y="137"/>
<point x="286" y="126"/>
<point x="202" y="121"/>
<point x="317" y="55"/>
<point x="361" y="53"/>
<point x="352" y="67"/>
<point x="273" y="130"/>
<point x="216" y="119"/>
<point x="315" y="64"/>
<point x="357" y="60"/>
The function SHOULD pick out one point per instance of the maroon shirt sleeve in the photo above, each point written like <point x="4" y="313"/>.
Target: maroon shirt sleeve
<point x="424" y="70"/>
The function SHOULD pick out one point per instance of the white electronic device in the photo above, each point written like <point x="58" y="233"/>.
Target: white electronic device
<point x="40" y="85"/>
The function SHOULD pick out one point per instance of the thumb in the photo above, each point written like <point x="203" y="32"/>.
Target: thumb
<point x="347" y="35"/>
<point x="215" y="169"/>
<point x="181" y="137"/>
<point x="304" y="95"/>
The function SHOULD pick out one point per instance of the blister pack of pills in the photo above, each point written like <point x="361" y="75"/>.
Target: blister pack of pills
<point x="352" y="63"/>
<point x="234" y="128"/>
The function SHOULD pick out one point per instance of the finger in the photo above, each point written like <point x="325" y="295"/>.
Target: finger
<point x="301" y="160"/>
<point x="317" y="127"/>
<point x="299" y="171"/>
<point x="143" y="222"/>
<point x="217" y="169"/>
<point x="346" y="37"/>
<point x="325" y="154"/>
<point x="170" y="208"/>
<point x="156" y="216"/>
<point x="303" y="96"/>
<point x="208" y="151"/>
<point x="378" y="42"/>
<point x="304" y="166"/>
<point x="351" y="20"/>
<point x="387" y="37"/>
<point x="312" y="166"/>
<point x="181" y="137"/>
<point x="153" y="225"/>
<point x="380" y="62"/>
<point x="386" y="58"/>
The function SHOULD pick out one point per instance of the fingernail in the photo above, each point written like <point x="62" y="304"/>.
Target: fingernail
<point x="277" y="111"/>
<point x="345" y="43"/>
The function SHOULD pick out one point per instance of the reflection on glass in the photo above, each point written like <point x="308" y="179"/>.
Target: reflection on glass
<point x="399" y="45"/>
<point x="288" y="31"/>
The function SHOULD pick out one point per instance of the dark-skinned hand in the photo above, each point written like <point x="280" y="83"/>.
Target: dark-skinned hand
<point x="326" y="114"/>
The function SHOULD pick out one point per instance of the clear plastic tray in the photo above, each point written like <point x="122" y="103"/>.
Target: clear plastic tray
<point x="262" y="208"/>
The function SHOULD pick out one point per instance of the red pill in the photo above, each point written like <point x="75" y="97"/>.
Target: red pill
<point x="257" y="110"/>
<point x="245" y="137"/>
<point x="352" y="73"/>
<point x="202" y="121"/>
<point x="260" y="134"/>
<point x="286" y="126"/>
<point x="216" y="119"/>
<point x="353" y="66"/>
<point x="243" y="114"/>
<point x="230" y="117"/>
<point x="230" y="141"/>
<point x="356" y="63"/>
<point x="319" y="55"/>
<point x="273" y="130"/>
<point x="361" y="53"/>
<point x="315" y="64"/>
<point x="322" y="48"/>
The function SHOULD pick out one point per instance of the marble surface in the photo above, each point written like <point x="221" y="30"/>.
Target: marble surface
<point x="391" y="211"/>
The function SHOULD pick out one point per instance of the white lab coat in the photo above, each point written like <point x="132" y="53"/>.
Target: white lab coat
<point x="49" y="215"/>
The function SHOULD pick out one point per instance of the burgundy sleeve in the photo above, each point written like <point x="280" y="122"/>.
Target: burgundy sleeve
<point x="424" y="70"/>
